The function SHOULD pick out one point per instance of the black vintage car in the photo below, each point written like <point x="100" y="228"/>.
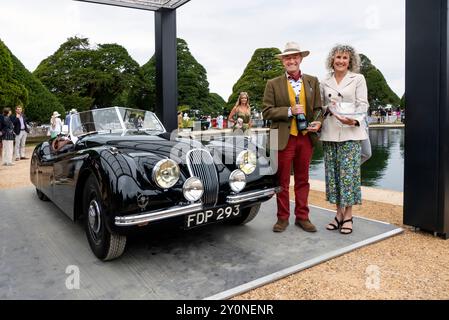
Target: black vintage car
<point x="120" y="170"/>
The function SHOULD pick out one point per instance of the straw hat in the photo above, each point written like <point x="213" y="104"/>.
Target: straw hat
<point x="292" y="48"/>
<point x="55" y="114"/>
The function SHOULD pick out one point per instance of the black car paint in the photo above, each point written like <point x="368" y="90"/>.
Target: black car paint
<point x="123" y="166"/>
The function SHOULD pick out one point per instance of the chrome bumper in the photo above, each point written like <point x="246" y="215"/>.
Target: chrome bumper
<point x="248" y="196"/>
<point x="151" y="216"/>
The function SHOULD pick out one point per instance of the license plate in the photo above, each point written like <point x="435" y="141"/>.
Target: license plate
<point x="211" y="216"/>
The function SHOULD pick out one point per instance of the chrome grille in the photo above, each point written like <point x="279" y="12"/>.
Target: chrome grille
<point x="201" y="165"/>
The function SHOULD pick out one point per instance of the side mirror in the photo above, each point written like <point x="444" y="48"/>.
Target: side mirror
<point x="65" y="129"/>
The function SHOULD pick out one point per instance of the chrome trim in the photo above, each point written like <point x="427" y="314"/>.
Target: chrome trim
<point x="233" y="173"/>
<point x="94" y="215"/>
<point x="184" y="190"/>
<point x="239" y="161"/>
<point x="120" y="118"/>
<point x="157" y="167"/>
<point x="253" y="195"/>
<point x="207" y="185"/>
<point x="145" y="217"/>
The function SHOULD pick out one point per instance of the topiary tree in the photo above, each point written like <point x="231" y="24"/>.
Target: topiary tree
<point x="215" y="105"/>
<point x="379" y="92"/>
<point x="41" y="103"/>
<point x="263" y="66"/>
<point x="12" y="92"/>
<point x="193" y="87"/>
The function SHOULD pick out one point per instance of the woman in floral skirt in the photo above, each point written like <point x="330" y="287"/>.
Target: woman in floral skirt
<point x="345" y="100"/>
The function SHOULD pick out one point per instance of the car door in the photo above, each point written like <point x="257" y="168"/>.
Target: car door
<point x="64" y="180"/>
<point x="45" y="170"/>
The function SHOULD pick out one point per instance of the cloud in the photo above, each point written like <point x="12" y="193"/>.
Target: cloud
<point x="221" y="34"/>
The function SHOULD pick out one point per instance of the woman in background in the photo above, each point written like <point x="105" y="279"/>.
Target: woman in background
<point x="55" y="125"/>
<point x="240" y="115"/>
<point x="8" y="137"/>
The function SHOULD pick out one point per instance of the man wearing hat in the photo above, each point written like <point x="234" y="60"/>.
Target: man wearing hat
<point x="286" y="98"/>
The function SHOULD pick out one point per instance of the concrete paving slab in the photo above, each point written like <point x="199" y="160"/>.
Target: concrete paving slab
<point x="40" y="248"/>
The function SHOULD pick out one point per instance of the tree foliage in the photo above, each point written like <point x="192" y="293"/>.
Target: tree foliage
<point x="215" y="105"/>
<point x="147" y="92"/>
<point x="82" y="76"/>
<point x="379" y="92"/>
<point x="41" y="103"/>
<point x="12" y="92"/>
<point x="263" y="66"/>
<point x="193" y="87"/>
<point x="402" y="103"/>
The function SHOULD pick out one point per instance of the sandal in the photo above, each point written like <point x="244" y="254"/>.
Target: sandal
<point x="332" y="226"/>
<point x="345" y="228"/>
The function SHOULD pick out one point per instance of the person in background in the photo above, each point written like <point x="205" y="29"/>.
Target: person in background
<point x="179" y="119"/>
<point x="1" y="130"/>
<point x="240" y="116"/>
<point x="220" y="121"/>
<point x="21" y="129"/>
<point x="287" y="97"/>
<point x="342" y="136"/>
<point x="68" y="118"/>
<point x="383" y="115"/>
<point x="55" y="125"/>
<point x="8" y="137"/>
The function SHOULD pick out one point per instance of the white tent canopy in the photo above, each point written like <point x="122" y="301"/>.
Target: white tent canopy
<point x="152" y="5"/>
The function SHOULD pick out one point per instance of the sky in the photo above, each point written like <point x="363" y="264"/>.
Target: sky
<point x="222" y="35"/>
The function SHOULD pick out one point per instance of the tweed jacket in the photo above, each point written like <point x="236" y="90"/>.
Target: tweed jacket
<point x="276" y="102"/>
<point x="351" y="89"/>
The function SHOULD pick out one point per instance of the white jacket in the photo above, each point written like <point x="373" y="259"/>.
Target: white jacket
<point x="352" y="89"/>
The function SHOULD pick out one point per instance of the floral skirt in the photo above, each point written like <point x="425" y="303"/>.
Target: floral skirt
<point x="342" y="166"/>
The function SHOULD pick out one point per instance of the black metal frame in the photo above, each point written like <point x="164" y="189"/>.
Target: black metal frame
<point x="166" y="68"/>
<point x="426" y="169"/>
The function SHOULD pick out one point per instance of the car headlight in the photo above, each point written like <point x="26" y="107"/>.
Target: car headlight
<point x="237" y="180"/>
<point x="193" y="189"/>
<point x="166" y="173"/>
<point x="247" y="161"/>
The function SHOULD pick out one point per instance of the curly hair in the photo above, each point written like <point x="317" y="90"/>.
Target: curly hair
<point x="354" y="58"/>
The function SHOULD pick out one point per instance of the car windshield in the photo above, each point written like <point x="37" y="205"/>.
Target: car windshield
<point x="115" y="120"/>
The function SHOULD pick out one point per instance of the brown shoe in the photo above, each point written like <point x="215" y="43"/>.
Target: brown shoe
<point x="280" y="225"/>
<point x="306" y="225"/>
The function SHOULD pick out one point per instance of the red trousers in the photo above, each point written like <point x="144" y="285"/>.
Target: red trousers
<point x="299" y="152"/>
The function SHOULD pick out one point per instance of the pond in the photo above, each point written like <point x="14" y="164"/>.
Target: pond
<point x="385" y="169"/>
